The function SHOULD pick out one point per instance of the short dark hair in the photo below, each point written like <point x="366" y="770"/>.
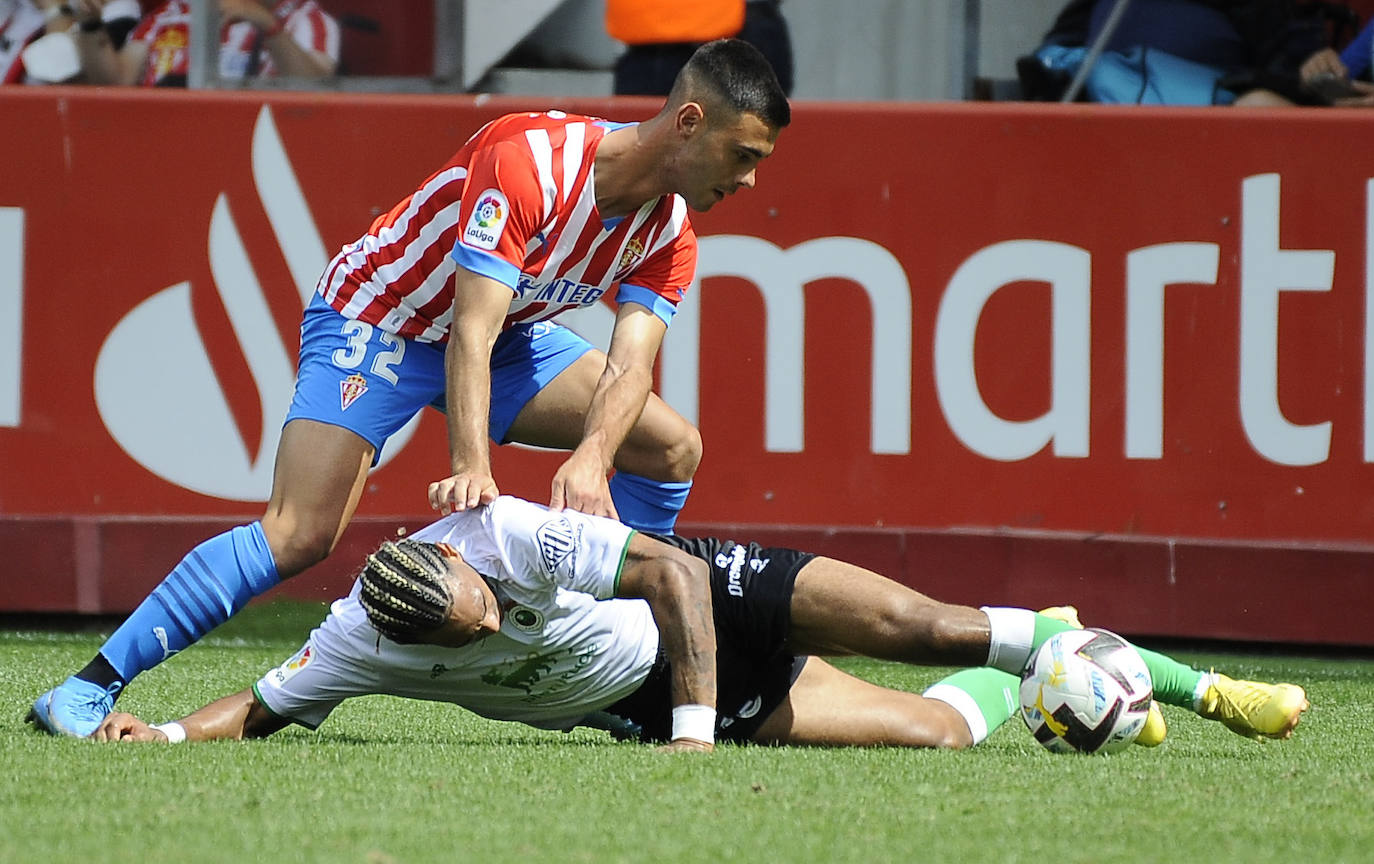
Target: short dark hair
<point x="739" y="76"/>
<point x="403" y="590"/>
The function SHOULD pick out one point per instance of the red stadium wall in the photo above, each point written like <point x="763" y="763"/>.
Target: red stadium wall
<point x="1020" y="354"/>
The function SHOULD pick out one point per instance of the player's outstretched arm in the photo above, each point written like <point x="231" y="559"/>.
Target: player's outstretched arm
<point x="480" y="305"/>
<point x="237" y="716"/>
<point x="677" y="588"/>
<point x="616" y="403"/>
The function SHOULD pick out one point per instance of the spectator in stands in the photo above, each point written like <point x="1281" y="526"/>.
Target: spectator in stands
<point x="21" y="22"/>
<point x="50" y="54"/>
<point x="661" y="34"/>
<point x="1186" y="52"/>
<point x="1331" y="77"/>
<point x="259" y="38"/>
<point x="1358" y="56"/>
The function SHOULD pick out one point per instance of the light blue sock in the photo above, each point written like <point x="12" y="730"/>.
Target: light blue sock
<point x="648" y="505"/>
<point x="215" y="580"/>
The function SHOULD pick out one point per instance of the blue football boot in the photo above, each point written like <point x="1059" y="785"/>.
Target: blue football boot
<point x="74" y="708"/>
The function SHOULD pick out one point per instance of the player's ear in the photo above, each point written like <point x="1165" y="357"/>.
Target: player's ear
<point x="689" y="119"/>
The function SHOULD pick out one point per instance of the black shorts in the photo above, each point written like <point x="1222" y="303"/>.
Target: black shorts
<point x="751" y="598"/>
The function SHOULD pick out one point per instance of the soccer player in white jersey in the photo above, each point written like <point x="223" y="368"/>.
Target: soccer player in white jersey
<point x="509" y="610"/>
<point x="444" y="302"/>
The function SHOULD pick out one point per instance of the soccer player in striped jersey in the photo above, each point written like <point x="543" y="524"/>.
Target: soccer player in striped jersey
<point x="445" y="301"/>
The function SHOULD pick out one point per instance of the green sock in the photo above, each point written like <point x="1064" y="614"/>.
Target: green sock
<point x="1015" y="635"/>
<point x="984" y="697"/>
<point x="1174" y="683"/>
<point x="1045" y="627"/>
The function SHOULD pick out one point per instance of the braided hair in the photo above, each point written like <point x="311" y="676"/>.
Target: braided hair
<point x="403" y="590"/>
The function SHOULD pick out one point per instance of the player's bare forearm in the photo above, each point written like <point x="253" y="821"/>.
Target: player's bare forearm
<point x="467" y="400"/>
<point x="580" y="482"/>
<point x="624" y="386"/>
<point x="677" y="588"/>
<point x="479" y="307"/>
<point x="236" y="716"/>
<point x="616" y="405"/>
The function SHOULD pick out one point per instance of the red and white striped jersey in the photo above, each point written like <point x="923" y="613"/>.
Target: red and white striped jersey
<point x="517" y="204"/>
<point x="166" y="33"/>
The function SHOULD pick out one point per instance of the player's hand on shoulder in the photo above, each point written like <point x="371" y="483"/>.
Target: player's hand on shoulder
<point x="686" y="745"/>
<point x="462" y="491"/>
<point x="580" y="484"/>
<point x="118" y="726"/>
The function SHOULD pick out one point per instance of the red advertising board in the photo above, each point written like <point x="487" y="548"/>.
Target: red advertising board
<point x="1005" y="353"/>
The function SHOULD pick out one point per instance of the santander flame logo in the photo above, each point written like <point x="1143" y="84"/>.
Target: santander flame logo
<point x="155" y="388"/>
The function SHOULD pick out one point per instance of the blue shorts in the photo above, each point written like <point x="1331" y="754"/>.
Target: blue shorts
<point x="372" y="382"/>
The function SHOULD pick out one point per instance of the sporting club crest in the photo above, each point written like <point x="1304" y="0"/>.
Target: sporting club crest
<point x="350" y="389"/>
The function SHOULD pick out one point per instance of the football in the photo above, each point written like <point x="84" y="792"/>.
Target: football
<point x="1085" y="691"/>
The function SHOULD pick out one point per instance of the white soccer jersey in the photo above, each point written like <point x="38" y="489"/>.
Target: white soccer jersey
<point x="561" y="653"/>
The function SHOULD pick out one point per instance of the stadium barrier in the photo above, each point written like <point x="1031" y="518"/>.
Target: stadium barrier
<point x="1004" y="353"/>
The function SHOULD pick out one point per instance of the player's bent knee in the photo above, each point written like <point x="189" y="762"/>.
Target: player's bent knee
<point x="684" y="455"/>
<point x="670" y="459"/>
<point x="942" y="727"/>
<point x="296" y="546"/>
<point x="956" y="736"/>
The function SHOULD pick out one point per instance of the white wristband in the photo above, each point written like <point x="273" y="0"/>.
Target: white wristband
<point x="175" y="732"/>
<point x="697" y="722"/>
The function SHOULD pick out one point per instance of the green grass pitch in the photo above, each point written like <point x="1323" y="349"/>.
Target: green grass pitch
<point x="391" y="781"/>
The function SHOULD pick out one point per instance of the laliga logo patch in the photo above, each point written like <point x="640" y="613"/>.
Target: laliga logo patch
<point x="300" y="661"/>
<point x="489" y="212"/>
<point x="283" y="673"/>
<point x="487" y="221"/>
<point x="557" y="541"/>
<point x="350" y="389"/>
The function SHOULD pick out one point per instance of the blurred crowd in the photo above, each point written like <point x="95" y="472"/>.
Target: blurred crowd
<point x="149" y="42"/>
<point x="1163" y="52"/>
<point x="1203" y="52"/>
<point x="144" y="43"/>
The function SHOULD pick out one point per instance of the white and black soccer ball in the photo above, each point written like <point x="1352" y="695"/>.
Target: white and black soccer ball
<point x="1085" y="691"/>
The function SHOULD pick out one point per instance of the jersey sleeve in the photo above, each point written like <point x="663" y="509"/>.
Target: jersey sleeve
<point x="503" y="207"/>
<point x="144" y="29"/>
<point x="662" y="279"/>
<point x="566" y="549"/>
<point x="307" y="687"/>
<point x="315" y="30"/>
